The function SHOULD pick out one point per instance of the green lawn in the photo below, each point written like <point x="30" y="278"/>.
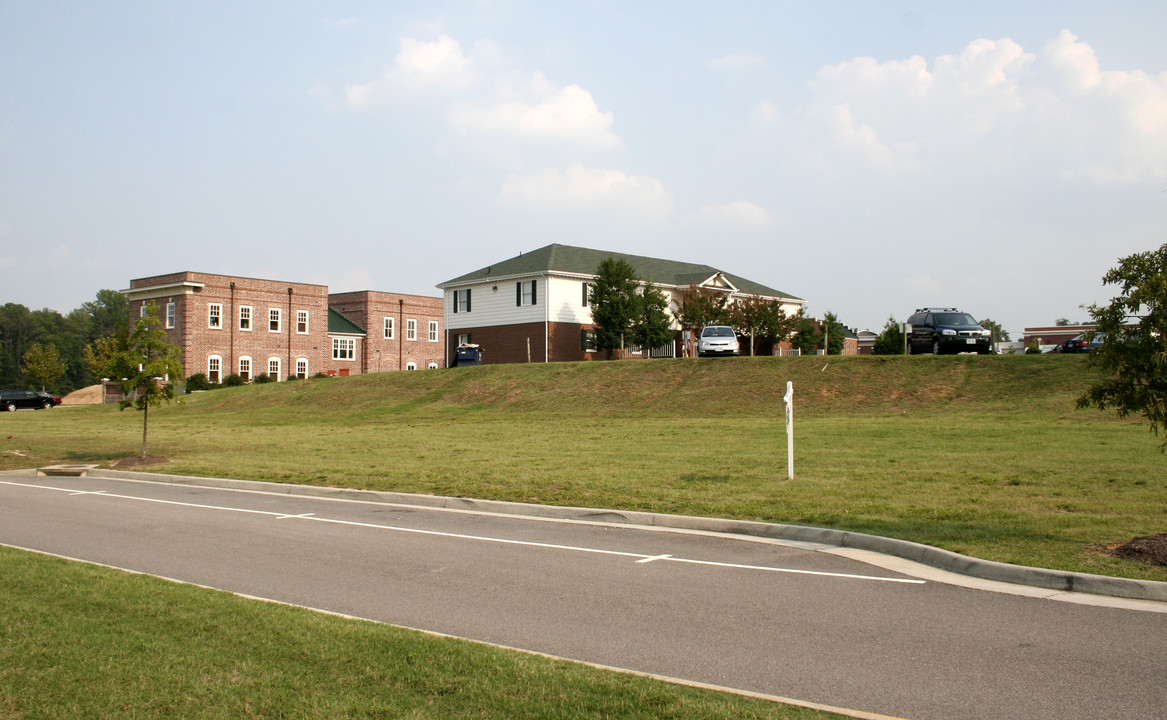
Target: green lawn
<point x="80" y="641"/>
<point x="986" y="456"/>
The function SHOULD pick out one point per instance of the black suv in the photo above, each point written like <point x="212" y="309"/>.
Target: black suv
<point x="15" y="399"/>
<point x="947" y="330"/>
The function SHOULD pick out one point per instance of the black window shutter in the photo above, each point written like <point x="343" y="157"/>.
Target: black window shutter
<point x="455" y="301"/>
<point x="467" y="299"/>
<point x="518" y="294"/>
<point x="533" y="300"/>
<point x="583" y="340"/>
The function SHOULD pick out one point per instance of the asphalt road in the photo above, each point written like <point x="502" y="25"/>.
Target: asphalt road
<point x="762" y="616"/>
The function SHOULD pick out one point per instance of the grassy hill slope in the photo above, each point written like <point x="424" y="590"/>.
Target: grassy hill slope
<point x="983" y="455"/>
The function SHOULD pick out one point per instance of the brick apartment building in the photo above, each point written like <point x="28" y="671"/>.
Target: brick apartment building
<point x="401" y="332"/>
<point x="226" y="324"/>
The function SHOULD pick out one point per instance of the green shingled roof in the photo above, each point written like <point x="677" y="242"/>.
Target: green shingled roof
<point x="584" y="261"/>
<point x="339" y="324"/>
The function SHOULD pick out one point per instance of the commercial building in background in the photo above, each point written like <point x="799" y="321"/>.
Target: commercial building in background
<point x="247" y="326"/>
<point x="534" y="307"/>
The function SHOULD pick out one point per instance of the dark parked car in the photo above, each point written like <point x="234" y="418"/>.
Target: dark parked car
<point x="1078" y="344"/>
<point x="1073" y="345"/>
<point x="947" y="330"/>
<point x="15" y="399"/>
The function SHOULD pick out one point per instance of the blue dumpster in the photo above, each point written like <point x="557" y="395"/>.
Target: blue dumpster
<point x="467" y="354"/>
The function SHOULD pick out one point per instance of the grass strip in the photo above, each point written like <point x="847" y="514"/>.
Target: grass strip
<point x="83" y="641"/>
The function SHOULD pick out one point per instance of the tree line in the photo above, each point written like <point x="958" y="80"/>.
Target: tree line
<point x="44" y="349"/>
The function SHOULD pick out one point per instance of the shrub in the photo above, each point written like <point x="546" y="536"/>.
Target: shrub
<point x="263" y="378"/>
<point x="197" y="382"/>
<point x="233" y="380"/>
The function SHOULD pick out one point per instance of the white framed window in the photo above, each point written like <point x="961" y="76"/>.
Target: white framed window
<point x="301" y="322"/>
<point x="462" y="300"/>
<point x="273" y="368"/>
<point x="390" y="328"/>
<point x="142" y="310"/>
<point x="245" y="317"/>
<point x="432" y="366"/>
<point x="588" y="340"/>
<point x="411" y="329"/>
<point x="215" y="316"/>
<point x="302" y="368"/>
<point x="170" y="315"/>
<point x="274" y="315"/>
<point x="433" y="331"/>
<point x="245" y="367"/>
<point x="215" y="368"/>
<point x="525" y="293"/>
<point x="344" y="348"/>
<point x="464" y="339"/>
<point x="410" y="366"/>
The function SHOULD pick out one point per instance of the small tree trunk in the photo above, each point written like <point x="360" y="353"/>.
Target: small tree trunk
<point x="145" y="414"/>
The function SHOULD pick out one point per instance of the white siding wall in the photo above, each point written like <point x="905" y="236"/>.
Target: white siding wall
<point x="565" y="301"/>
<point x="496" y="307"/>
<point x="558" y="299"/>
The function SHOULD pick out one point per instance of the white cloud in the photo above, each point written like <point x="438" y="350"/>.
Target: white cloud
<point x="545" y="114"/>
<point x="437" y="67"/>
<point x="579" y="187"/>
<point x="767" y="114"/>
<point x="740" y="213"/>
<point x="994" y="110"/>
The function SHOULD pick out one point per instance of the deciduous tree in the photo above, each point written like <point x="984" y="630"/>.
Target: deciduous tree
<point x="700" y="307"/>
<point x="154" y="362"/>
<point x="998" y="333"/>
<point x="761" y="319"/>
<point x="891" y="340"/>
<point x="43" y="363"/>
<point x="1133" y="354"/>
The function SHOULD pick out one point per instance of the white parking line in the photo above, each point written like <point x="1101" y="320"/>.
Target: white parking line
<point x="640" y="558"/>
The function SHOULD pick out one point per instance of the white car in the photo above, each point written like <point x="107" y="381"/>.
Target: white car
<point x="717" y="340"/>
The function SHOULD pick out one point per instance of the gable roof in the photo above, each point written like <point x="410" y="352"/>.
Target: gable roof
<point x="340" y="325"/>
<point x="571" y="260"/>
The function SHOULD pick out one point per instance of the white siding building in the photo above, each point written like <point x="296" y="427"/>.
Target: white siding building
<point x="533" y="307"/>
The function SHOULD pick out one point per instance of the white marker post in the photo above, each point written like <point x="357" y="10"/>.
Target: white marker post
<point x="788" y="398"/>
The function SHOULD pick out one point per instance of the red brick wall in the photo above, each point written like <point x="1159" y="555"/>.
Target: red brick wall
<point x="504" y="343"/>
<point x="376" y="353"/>
<point x="508" y="343"/>
<point x="199" y="342"/>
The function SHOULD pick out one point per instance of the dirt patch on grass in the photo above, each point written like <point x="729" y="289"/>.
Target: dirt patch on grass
<point x="137" y="462"/>
<point x="85" y="396"/>
<point x="1150" y="549"/>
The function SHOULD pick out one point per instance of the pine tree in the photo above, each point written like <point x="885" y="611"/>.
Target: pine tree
<point x="613" y="298"/>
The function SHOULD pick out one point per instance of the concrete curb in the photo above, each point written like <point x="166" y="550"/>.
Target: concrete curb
<point x="1056" y="580"/>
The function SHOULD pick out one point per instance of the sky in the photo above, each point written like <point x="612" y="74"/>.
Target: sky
<point x="868" y="157"/>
